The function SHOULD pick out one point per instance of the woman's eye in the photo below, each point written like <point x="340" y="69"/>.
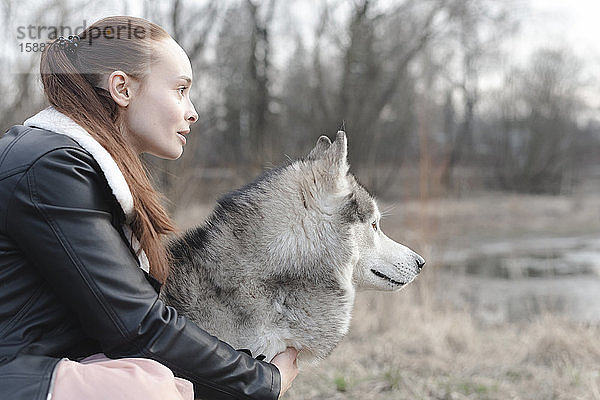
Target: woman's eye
<point x="374" y="225"/>
<point x="182" y="90"/>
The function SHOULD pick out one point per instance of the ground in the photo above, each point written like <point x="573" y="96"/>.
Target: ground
<point x="401" y="348"/>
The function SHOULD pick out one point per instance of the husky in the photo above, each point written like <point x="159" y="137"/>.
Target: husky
<point x="278" y="262"/>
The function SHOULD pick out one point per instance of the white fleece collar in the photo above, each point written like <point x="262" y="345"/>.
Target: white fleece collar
<point x="53" y="120"/>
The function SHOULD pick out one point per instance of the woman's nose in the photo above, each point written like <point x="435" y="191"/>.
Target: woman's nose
<point x="192" y="116"/>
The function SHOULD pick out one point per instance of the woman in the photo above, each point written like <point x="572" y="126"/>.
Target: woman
<point x="81" y="233"/>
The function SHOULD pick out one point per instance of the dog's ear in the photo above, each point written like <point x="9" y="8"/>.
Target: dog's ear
<point x="340" y="145"/>
<point x="320" y="148"/>
<point x="329" y="170"/>
<point x="338" y="153"/>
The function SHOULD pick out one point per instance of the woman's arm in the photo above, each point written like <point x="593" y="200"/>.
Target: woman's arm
<point x="61" y="216"/>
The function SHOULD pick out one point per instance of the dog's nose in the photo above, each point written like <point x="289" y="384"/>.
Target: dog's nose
<point x="420" y="262"/>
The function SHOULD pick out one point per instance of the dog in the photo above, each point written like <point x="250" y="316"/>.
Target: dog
<point x="278" y="262"/>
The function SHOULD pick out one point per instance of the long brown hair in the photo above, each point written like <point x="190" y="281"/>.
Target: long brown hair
<point x="71" y="82"/>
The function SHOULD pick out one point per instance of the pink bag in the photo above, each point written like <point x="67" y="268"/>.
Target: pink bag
<point x="98" y="378"/>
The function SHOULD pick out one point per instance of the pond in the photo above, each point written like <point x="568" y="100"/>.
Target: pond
<point x="521" y="279"/>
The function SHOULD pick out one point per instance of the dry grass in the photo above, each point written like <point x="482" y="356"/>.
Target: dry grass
<point x="400" y="348"/>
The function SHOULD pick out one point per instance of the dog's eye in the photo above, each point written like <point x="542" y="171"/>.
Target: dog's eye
<point x="374" y="225"/>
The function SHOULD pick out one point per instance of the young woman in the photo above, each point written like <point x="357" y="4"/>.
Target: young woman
<point x="81" y="228"/>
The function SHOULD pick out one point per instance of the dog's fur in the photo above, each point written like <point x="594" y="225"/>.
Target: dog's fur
<point x="278" y="261"/>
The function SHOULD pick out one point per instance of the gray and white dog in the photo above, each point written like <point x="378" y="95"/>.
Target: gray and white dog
<point x="277" y="263"/>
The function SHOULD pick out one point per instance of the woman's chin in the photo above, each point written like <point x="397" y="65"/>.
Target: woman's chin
<point x="168" y="154"/>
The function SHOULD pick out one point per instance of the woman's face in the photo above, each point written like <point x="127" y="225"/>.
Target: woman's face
<point x="160" y="111"/>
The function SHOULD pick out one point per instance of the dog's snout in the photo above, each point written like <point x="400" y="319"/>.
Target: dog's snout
<point x="420" y="262"/>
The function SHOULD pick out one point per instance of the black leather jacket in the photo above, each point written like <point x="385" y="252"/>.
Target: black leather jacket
<point x="70" y="284"/>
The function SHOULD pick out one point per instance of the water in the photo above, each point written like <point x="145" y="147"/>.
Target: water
<point x="522" y="279"/>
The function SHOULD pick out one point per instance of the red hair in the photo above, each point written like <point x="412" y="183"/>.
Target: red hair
<point x="72" y="84"/>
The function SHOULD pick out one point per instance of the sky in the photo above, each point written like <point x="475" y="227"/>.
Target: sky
<point x="572" y="24"/>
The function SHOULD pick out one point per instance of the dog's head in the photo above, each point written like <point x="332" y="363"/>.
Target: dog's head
<point x="311" y="220"/>
<point x="380" y="263"/>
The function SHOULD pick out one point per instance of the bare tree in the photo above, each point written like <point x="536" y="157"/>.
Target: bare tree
<point x="374" y="70"/>
<point x="259" y="65"/>
<point x="296" y="100"/>
<point x="191" y="26"/>
<point x="535" y="149"/>
<point x="243" y="69"/>
<point x="478" y="26"/>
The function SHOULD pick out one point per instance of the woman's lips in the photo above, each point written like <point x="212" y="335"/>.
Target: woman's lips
<point x="182" y="137"/>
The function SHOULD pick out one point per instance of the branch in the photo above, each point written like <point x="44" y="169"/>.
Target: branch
<point x="320" y="88"/>
<point x="207" y="18"/>
<point x="392" y="86"/>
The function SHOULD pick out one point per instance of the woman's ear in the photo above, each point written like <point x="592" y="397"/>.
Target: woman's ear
<point x="119" y="88"/>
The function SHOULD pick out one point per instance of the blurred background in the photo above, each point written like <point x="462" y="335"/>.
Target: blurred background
<point x="476" y="123"/>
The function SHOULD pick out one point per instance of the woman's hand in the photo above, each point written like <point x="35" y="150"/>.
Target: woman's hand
<point x="286" y="363"/>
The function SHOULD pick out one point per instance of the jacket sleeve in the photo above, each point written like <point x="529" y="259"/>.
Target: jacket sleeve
<point x="61" y="217"/>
